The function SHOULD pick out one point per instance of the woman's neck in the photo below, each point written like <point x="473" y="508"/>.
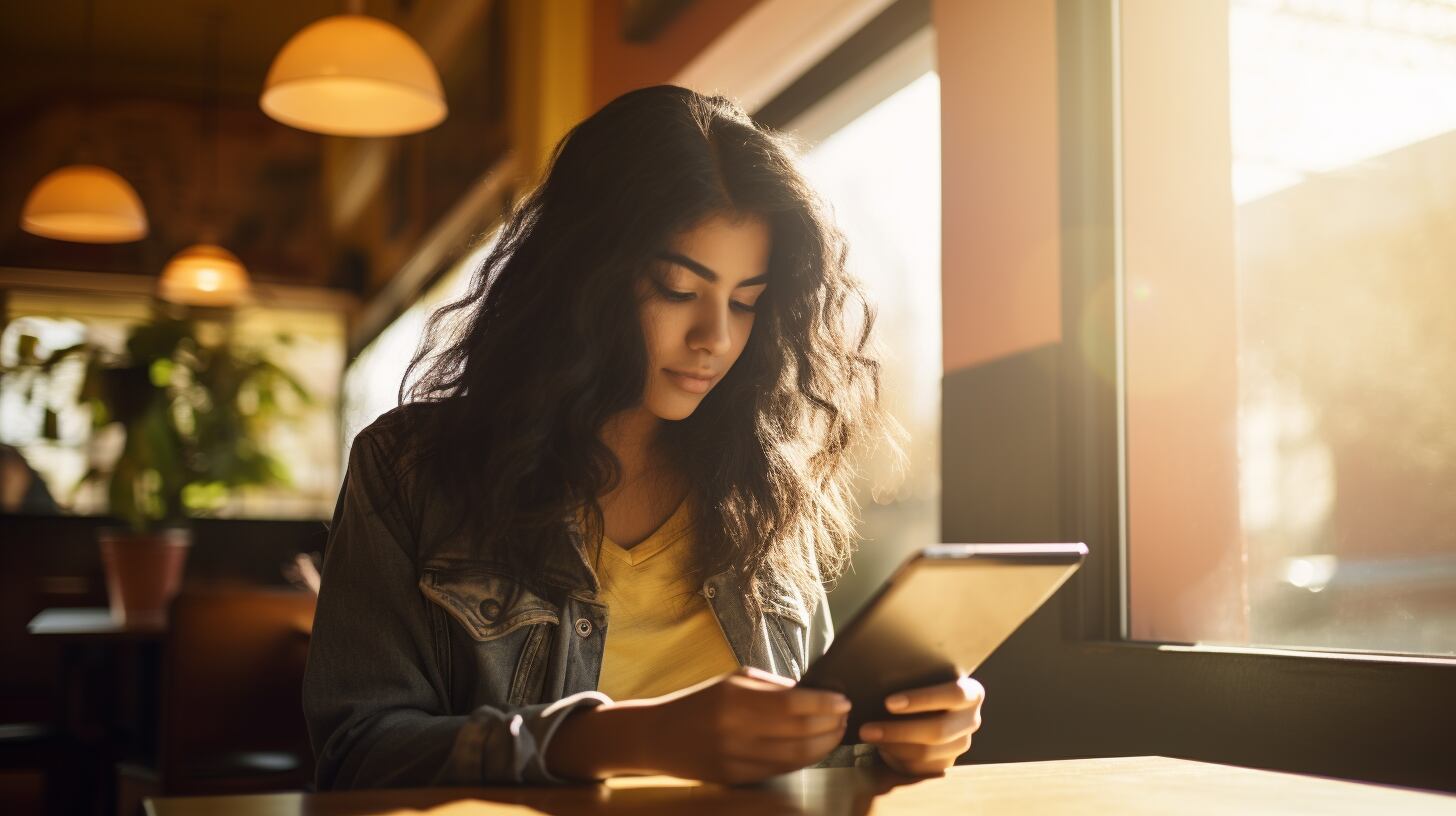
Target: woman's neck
<point x="650" y="488"/>
<point x="632" y="436"/>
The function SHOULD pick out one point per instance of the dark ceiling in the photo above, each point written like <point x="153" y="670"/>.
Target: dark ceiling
<point x="297" y="207"/>
<point x="146" y="46"/>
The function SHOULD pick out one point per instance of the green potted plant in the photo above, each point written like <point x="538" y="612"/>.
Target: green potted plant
<point x="194" y="408"/>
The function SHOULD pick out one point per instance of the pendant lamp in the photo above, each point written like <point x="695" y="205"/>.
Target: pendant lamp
<point x="206" y="274"/>
<point x="86" y="203"/>
<point x="354" y="75"/>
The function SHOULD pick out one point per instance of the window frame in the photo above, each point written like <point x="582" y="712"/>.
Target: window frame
<point x="885" y="32"/>
<point x="1071" y="670"/>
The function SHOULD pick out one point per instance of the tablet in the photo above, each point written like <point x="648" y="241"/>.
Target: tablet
<point x="937" y="618"/>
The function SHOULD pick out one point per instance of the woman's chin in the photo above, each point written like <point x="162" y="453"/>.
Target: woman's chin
<point x="677" y="407"/>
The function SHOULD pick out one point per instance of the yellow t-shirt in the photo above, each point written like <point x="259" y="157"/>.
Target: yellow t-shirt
<point x="661" y="634"/>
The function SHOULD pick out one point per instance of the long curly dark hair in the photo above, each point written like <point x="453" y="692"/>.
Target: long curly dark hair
<point x="546" y="346"/>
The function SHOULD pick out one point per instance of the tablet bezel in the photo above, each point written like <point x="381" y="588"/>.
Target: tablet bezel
<point x="1071" y="555"/>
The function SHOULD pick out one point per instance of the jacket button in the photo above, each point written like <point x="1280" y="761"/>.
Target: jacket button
<point x="583" y="627"/>
<point x="490" y="609"/>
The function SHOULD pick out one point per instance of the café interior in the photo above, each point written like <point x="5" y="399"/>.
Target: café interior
<point x="1172" y="280"/>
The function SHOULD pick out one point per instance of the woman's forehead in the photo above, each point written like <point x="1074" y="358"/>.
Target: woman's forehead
<point x="730" y="251"/>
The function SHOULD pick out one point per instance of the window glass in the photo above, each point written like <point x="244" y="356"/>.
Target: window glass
<point x="1290" y="235"/>
<point x="874" y="154"/>
<point x="307" y="343"/>
<point x="371" y="383"/>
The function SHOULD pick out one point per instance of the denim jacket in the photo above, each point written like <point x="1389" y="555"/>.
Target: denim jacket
<point x="417" y="675"/>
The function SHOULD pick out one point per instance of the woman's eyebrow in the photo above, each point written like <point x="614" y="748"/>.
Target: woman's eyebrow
<point x="704" y="272"/>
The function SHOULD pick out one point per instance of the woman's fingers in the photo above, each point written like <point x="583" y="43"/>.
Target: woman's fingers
<point x="960" y="694"/>
<point x="772" y="703"/>
<point x="933" y="730"/>
<point x="910" y="752"/>
<point x="923" y="760"/>
<point x="796" y="713"/>
<point x="929" y="743"/>
<point x="785" y="753"/>
<point x="931" y="768"/>
<point x="794" y="727"/>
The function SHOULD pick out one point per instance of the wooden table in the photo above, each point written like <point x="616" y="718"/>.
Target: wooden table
<point x="1130" y="785"/>
<point x="103" y="660"/>
<point x="107" y="699"/>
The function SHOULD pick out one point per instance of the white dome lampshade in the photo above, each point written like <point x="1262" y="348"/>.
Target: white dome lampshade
<point x="85" y="203"/>
<point x="204" y="275"/>
<point x="354" y="75"/>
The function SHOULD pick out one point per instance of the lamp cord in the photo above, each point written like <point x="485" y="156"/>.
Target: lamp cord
<point x="212" y="130"/>
<point x="88" y="93"/>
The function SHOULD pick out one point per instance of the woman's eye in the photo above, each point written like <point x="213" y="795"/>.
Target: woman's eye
<point x="671" y="294"/>
<point x="675" y="296"/>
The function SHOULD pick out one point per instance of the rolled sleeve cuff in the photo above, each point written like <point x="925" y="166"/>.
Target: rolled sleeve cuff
<point x="509" y="747"/>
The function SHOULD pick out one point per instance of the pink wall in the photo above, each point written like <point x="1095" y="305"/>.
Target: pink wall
<point x="1001" y="242"/>
<point x="618" y="66"/>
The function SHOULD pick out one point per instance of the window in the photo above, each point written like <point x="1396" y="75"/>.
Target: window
<point x="371" y="383"/>
<point x="1034" y="441"/>
<point x="307" y="342"/>
<point x="873" y="152"/>
<point x="1289" y="234"/>
<point x="58" y="322"/>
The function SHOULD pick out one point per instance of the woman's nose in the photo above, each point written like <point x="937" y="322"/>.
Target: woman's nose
<point x="710" y="332"/>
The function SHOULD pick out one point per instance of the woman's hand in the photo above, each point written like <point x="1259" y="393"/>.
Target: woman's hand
<point x="747" y="726"/>
<point x="929" y="744"/>
<point x="737" y="728"/>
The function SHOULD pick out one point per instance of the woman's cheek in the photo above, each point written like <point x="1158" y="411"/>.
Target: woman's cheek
<point x="653" y="320"/>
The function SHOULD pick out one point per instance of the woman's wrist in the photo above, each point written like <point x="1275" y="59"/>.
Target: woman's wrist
<point x="603" y="741"/>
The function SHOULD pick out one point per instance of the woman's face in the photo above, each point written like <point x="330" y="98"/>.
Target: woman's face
<point x="696" y="308"/>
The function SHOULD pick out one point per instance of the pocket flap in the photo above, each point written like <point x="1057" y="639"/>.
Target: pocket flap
<point x="477" y="598"/>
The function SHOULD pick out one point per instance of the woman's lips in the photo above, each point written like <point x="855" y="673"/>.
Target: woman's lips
<point x="689" y="383"/>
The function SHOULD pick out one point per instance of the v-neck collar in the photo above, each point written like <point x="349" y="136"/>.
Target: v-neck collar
<point x="663" y="537"/>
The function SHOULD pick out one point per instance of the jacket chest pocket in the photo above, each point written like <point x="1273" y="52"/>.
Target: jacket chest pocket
<point x="486" y="604"/>
<point x="506" y="630"/>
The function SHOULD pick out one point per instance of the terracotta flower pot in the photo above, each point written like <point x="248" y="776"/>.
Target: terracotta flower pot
<point x="143" y="572"/>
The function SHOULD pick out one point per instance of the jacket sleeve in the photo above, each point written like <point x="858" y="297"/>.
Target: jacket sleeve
<point x="373" y="697"/>
<point x="820" y="635"/>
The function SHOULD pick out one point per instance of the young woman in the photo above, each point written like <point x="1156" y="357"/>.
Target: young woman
<point x="594" y="537"/>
